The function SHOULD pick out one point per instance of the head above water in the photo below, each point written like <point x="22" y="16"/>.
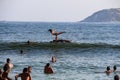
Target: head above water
<point x="50" y="30"/>
<point x="8" y="60"/>
<point x="25" y="70"/>
<point x="108" y="68"/>
<point x="48" y="64"/>
<point x="116" y="77"/>
<point x="114" y="67"/>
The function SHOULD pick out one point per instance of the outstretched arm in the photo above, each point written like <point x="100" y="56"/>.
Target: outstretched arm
<point x="61" y="33"/>
<point x="16" y="77"/>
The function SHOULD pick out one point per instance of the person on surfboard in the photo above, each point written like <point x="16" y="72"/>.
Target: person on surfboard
<point x="53" y="32"/>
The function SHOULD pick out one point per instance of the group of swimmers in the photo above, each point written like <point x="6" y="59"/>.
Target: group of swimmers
<point x="25" y="75"/>
<point x="6" y="70"/>
<point x="108" y="71"/>
<point x="4" y="75"/>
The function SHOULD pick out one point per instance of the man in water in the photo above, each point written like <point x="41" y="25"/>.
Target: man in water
<point x="48" y="69"/>
<point x="108" y="71"/>
<point x="53" y="32"/>
<point x="116" y="77"/>
<point x="8" y="65"/>
<point x="24" y="76"/>
<point x="1" y="75"/>
<point x="53" y="59"/>
<point x="29" y="69"/>
<point x="5" y="74"/>
<point x="114" y="68"/>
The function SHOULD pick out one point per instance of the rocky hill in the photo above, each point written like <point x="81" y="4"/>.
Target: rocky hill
<point x="106" y="15"/>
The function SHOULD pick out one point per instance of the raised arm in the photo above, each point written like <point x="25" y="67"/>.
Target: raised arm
<point x="16" y="77"/>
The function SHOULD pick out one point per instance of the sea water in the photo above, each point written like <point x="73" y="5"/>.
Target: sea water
<point x="93" y="47"/>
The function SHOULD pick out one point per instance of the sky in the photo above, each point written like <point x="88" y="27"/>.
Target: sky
<point x="52" y="10"/>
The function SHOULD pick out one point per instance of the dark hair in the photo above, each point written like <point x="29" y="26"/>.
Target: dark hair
<point x="114" y="67"/>
<point x="48" y="64"/>
<point x="25" y="70"/>
<point x="50" y="30"/>
<point x="116" y="77"/>
<point x="108" y="68"/>
<point x="8" y="59"/>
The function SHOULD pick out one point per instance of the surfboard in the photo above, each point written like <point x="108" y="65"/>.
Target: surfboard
<point x="61" y="41"/>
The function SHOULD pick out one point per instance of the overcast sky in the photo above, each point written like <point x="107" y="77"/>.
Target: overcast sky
<point x="52" y="10"/>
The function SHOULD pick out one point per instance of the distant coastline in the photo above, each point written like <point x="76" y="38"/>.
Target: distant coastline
<point x="105" y="15"/>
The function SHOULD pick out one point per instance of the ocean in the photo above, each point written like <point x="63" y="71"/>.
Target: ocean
<point x="93" y="47"/>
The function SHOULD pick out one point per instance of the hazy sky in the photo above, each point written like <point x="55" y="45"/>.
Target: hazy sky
<point x="52" y="10"/>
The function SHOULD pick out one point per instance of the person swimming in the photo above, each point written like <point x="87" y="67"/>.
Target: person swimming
<point x="116" y="77"/>
<point x="108" y="70"/>
<point x="29" y="69"/>
<point x="53" y="59"/>
<point x="48" y="69"/>
<point x="24" y="75"/>
<point x="8" y="65"/>
<point x="55" y="33"/>
<point x="114" y="68"/>
<point x="1" y="75"/>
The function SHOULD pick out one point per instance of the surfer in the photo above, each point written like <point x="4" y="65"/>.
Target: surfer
<point x="55" y="33"/>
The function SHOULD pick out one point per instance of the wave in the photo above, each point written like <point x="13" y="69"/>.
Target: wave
<point x="48" y="45"/>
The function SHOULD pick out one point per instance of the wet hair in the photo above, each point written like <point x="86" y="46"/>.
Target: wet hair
<point x="114" y="67"/>
<point x="108" y="68"/>
<point x="116" y="77"/>
<point x="25" y="70"/>
<point x="8" y="60"/>
<point x="48" y="64"/>
<point x="50" y="30"/>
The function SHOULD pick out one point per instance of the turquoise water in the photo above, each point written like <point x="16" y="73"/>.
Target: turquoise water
<point x="94" y="47"/>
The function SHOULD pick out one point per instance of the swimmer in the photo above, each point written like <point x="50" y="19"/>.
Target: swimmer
<point x="24" y="76"/>
<point x="29" y="69"/>
<point x="5" y="74"/>
<point x="21" y="51"/>
<point x="48" y="69"/>
<point x="114" y="68"/>
<point x="116" y="77"/>
<point x="108" y="71"/>
<point x="1" y="78"/>
<point x="53" y="59"/>
<point x="8" y="65"/>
